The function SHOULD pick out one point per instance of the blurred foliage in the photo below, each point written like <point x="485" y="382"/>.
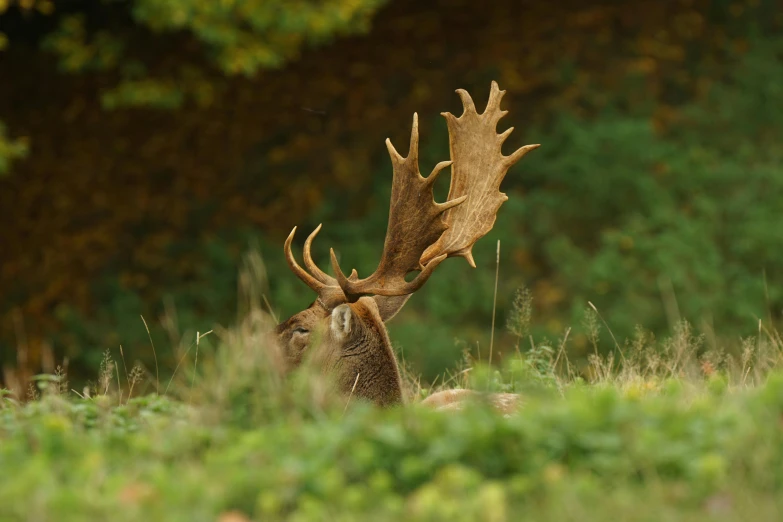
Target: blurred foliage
<point x="652" y="196"/>
<point x="238" y="38"/>
<point x="28" y="6"/>
<point x="104" y="51"/>
<point x="245" y="36"/>
<point x="10" y="149"/>
<point x="246" y="446"/>
<point x="13" y="149"/>
<point x="680" y="222"/>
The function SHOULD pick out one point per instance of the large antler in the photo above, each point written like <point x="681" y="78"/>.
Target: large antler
<point x="421" y="232"/>
<point x="415" y="222"/>
<point x="478" y="168"/>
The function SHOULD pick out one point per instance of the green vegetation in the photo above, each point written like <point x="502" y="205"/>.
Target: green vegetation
<point x="662" y="434"/>
<point x="10" y="149"/>
<point x="238" y="37"/>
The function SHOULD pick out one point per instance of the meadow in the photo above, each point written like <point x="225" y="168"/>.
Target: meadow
<point x="666" y="429"/>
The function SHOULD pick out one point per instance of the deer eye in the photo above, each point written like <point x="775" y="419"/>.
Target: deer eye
<point x="300" y="330"/>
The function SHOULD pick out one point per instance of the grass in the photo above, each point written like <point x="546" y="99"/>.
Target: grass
<point x="682" y="428"/>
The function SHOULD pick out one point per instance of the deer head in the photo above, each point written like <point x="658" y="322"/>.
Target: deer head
<point x="348" y="316"/>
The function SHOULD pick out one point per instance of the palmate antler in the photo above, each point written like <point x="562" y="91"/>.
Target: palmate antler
<point x="478" y="168"/>
<point x="421" y="232"/>
<point x="415" y="222"/>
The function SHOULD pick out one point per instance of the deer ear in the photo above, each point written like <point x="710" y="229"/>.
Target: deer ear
<point x="341" y="321"/>
<point x="388" y="306"/>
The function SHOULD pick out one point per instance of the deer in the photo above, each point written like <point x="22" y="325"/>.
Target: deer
<point x="344" y="329"/>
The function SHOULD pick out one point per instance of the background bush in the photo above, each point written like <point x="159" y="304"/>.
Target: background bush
<point x="162" y="149"/>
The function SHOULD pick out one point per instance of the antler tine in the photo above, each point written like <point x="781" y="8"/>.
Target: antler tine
<point x="301" y="273"/>
<point x="517" y="154"/>
<point x="413" y="148"/>
<point x="435" y="172"/>
<point x="316" y="272"/>
<point x="467" y="101"/>
<point x="493" y="104"/>
<point x="478" y="168"/>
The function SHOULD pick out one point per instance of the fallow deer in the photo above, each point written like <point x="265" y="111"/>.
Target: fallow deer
<point x="353" y="345"/>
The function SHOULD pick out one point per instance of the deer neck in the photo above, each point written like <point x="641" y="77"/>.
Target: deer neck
<point x="367" y="366"/>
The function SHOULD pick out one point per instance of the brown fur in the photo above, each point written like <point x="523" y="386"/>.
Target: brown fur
<point x="361" y="362"/>
<point x="448" y="400"/>
<point x="294" y="344"/>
